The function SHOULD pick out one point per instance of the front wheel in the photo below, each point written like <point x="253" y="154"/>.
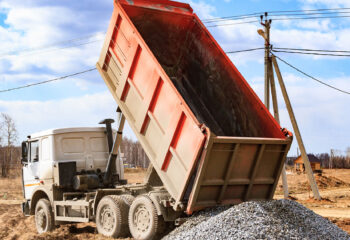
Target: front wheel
<point x="43" y="216"/>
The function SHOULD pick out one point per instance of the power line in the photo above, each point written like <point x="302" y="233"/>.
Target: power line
<point x="228" y="24"/>
<point x="297" y="18"/>
<point x="47" y="81"/>
<point x="287" y="15"/>
<point x="235" y="17"/>
<point x="276" y="13"/>
<point x="310" y="10"/>
<point x="313" y="53"/>
<point x="89" y="70"/>
<point x="313" y="78"/>
<point x="313" y="50"/>
<point x="308" y="14"/>
<point x="275" y="19"/>
<point x="246" y="50"/>
<point x="230" y="18"/>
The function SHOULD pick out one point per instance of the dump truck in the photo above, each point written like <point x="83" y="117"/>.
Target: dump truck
<point x="209" y="138"/>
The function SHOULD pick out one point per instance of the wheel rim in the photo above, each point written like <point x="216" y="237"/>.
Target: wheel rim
<point x="41" y="219"/>
<point x="142" y="219"/>
<point x="107" y="219"/>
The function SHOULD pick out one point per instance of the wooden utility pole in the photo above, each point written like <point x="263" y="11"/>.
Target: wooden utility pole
<point x="267" y="25"/>
<point x="269" y="80"/>
<point x="307" y="165"/>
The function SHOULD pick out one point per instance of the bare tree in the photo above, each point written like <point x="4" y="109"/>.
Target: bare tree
<point x="134" y="153"/>
<point x="9" y="138"/>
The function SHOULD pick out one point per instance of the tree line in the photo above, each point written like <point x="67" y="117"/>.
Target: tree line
<point x="9" y="152"/>
<point x="133" y="153"/>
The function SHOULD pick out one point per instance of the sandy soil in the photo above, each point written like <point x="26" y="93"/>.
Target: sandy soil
<point x="14" y="226"/>
<point x="334" y="188"/>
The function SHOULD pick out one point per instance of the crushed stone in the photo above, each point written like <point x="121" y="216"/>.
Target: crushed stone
<point x="275" y="219"/>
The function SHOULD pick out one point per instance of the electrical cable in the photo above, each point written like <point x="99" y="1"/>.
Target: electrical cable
<point x="246" y="50"/>
<point x="313" y="78"/>
<point x="311" y="53"/>
<point x="276" y="19"/>
<point x="313" y="50"/>
<point x="276" y="13"/>
<point x="228" y="24"/>
<point x="229" y="19"/>
<point x="47" y="81"/>
<point x="308" y="14"/>
<point x="304" y="18"/>
<point x="89" y="70"/>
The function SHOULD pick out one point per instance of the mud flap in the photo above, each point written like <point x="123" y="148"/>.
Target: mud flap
<point x="26" y="208"/>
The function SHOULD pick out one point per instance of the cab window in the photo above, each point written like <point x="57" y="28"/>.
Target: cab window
<point x="34" y="151"/>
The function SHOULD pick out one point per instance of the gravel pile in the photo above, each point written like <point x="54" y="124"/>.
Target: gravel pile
<point x="276" y="219"/>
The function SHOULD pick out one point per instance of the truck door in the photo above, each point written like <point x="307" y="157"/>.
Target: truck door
<point x="30" y="170"/>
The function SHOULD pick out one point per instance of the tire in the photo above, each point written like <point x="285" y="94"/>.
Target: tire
<point x="112" y="217"/>
<point x="44" y="221"/>
<point x="144" y="222"/>
<point x="128" y="199"/>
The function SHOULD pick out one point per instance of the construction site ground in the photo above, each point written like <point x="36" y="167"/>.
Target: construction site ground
<point x="334" y="188"/>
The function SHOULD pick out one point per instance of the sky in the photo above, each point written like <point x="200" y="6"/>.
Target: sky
<point x="36" y="38"/>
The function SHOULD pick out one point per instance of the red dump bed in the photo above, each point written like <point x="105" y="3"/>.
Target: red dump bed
<point x="205" y="131"/>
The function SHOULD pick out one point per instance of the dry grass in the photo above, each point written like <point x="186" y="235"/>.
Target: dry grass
<point x="135" y="175"/>
<point x="11" y="189"/>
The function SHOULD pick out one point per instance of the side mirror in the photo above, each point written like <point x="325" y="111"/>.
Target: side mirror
<point x="24" y="159"/>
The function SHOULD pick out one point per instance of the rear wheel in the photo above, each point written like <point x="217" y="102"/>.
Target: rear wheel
<point x="144" y="222"/>
<point x="112" y="217"/>
<point x="128" y="198"/>
<point x="44" y="216"/>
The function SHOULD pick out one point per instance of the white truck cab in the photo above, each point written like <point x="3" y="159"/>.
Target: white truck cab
<point x="87" y="147"/>
<point x="73" y="175"/>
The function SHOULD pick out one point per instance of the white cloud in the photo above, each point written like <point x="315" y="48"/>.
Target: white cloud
<point x="319" y="110"/>
<point x="34" y="24"/>
<point x="88" y="110"/>
<point x="201" y="8"/>
<point x="329" y="3"/>
<point x="323" y="25"/>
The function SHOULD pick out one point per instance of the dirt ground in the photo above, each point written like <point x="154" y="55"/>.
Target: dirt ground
<point x="334" y="188"/>
<point x="14" y="226"/>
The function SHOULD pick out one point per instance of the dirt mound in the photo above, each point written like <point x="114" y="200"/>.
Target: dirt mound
<point x="14" y="226"/>
<point x="324" y="182"/>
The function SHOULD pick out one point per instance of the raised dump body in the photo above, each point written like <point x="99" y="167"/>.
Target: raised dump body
<point x="205" y="131"/>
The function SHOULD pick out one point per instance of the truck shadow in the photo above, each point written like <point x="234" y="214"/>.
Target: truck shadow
<point x="78" y="230"/>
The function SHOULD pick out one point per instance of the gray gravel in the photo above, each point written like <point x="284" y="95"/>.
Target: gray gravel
<point x="276" y="219"/>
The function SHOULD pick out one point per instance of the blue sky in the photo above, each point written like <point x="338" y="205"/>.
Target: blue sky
<point x="83" y="100"/>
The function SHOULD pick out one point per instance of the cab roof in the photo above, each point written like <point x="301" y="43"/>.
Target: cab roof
<point x="66" y="130"/>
